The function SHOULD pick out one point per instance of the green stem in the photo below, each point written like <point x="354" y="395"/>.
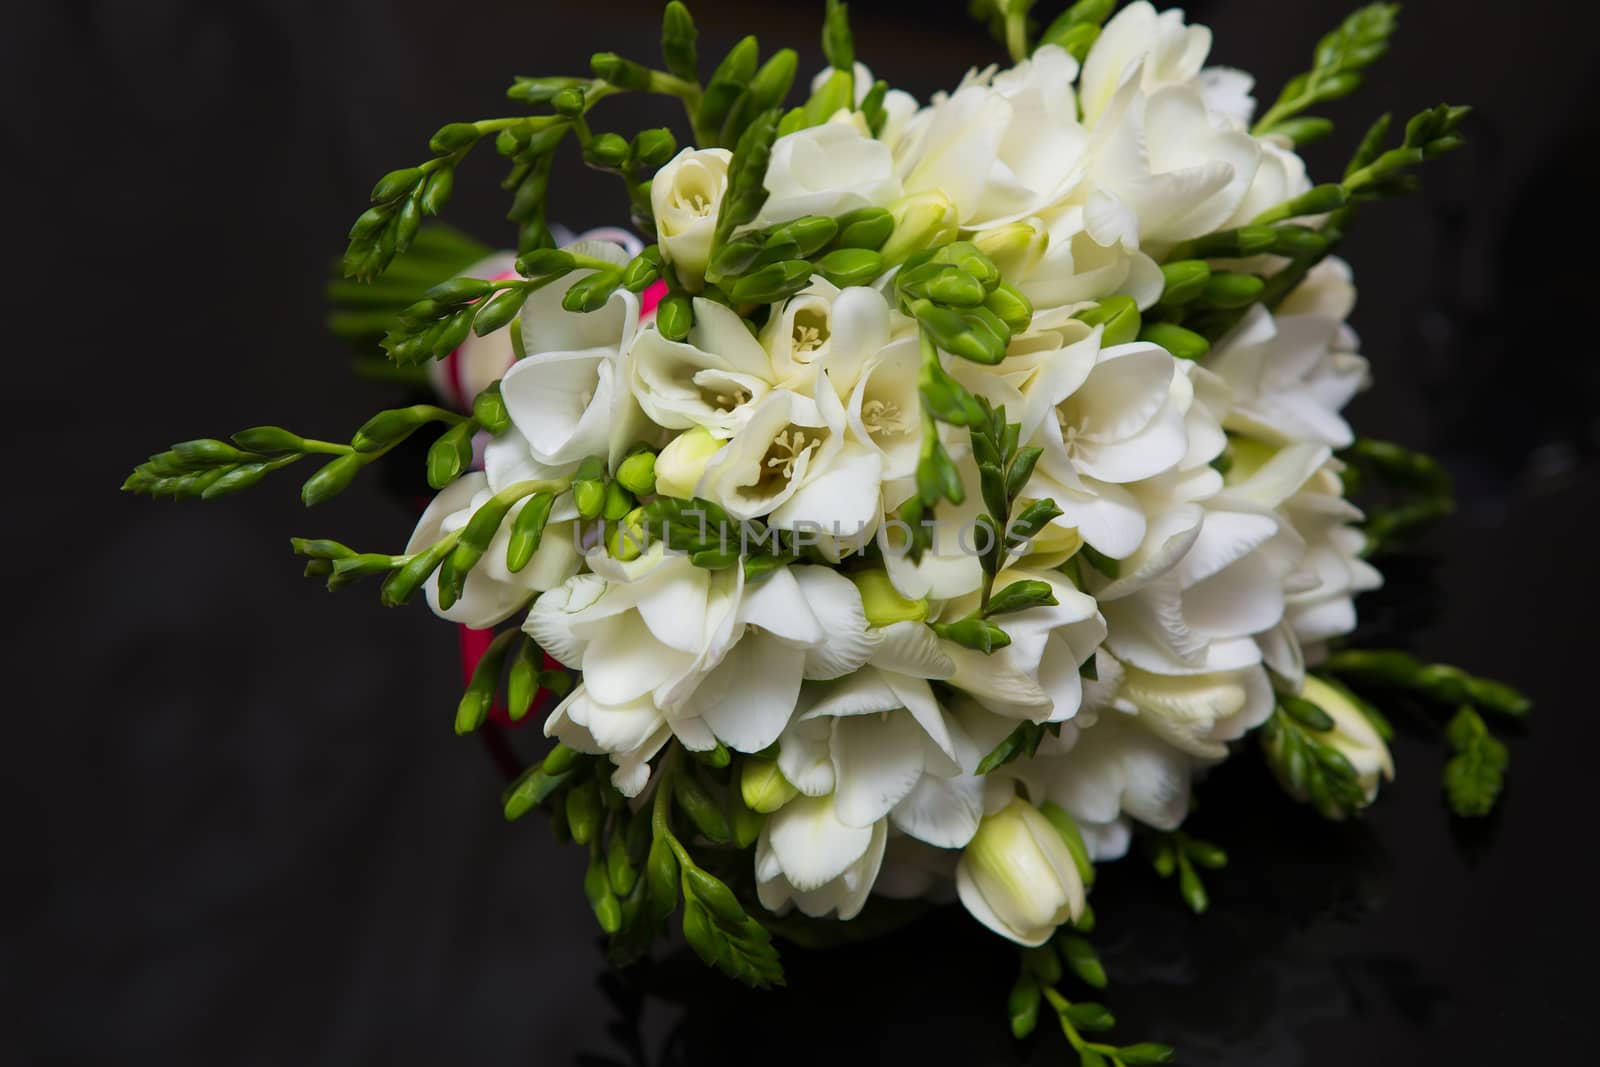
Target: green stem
<point x="1017" y="34"/>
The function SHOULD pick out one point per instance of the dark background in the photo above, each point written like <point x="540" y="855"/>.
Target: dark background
<point x="239" y="829"/>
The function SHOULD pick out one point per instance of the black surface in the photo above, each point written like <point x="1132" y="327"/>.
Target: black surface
<point x="239" y="828"/>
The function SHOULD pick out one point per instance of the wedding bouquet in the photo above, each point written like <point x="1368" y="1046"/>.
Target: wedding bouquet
<point x="934" y="499"/>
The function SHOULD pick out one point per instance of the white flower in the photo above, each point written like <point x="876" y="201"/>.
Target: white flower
<point x="1036" y="676"/>
<point x="644" y="633"/>
<point x="1206" y="580"/>
<point x="790" y="464"/>
<point x="825" y="327"/>
<point x="1172" y="171"/>
<point x="685" y="196"/>
<point x="797" y="622"/>
<point x="492" y="592"/>
<point x="807" y="857"/>
<point x="827" y="170"/>
<point x="1302" y="483"/>
<point x="1091" y="252"/>
<point x="569" y="396"/>
<point x="1114" y="771"/>
<point x="1000" y="152"/>
<point x="1017" y="876"/>
<point x="711" y="379"/>
<point x="879" y="743"/>
<point x="1292" y="372"/>
<point x="1140" y="46"/>
<point x="885" y="410"/>
<point x="1104" y="417"/>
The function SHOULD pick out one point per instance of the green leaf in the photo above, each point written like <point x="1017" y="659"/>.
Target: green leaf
<point x="1340" y="58"/>
<point x="1475" y="775"/>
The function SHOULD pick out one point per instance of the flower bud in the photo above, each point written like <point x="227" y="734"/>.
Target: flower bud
<point x="637" y="473"/>
<point x="1018" y="877"/>
<point x="686" y="195"/>
<point x="882" y="602"/>
<point x="925" y="220"/>
<point x="681" y="463"/>
<point x="763" y="786"/>
<point x="1015" y="248"/>
<point x="1352" y="735"/>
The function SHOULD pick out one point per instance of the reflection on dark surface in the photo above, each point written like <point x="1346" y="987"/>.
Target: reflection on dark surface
<point x="240" y="829"/>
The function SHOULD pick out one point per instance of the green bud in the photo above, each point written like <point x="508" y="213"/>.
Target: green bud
<point x="1298" y="241"/>
<point x="1145" y="1052"/>
<point x="527" y="530"/>
<point x="620" y="871"/>
<point x="627" y="538"/>
<point x="331" y="480"/>
<point x="1184" y="280"/>
<point x="609" y="150"/>
<point x="845" y="267"/>
<point x="702" y="810"/>
<point x="882" y="602"/>
<point x="475" y="702"/>
<point x="1182" y="343"/>
<point x="774" y="282"/>
<point x="1083" y="961"/>
<point x="763" y="786"/>
<point x="921" y="221"/>
<point x="1011" y="307"/>
<point x="388" y="427"/>
<point x="532" y="788"/>
<point x="675" y="317"/>
<point x="455" y="136"/>
<point x="1120" y="317"/>
<point x="867" y="227"/>
<point x="954" y="286"/>
<point x="451" y="453"/>
<point x="588" y="487"/>
<point x="1228" y="289"/>
<point x="395" y="184"/>
<point x="773" y="81"/>
<point x="678" y="35"/>
<point x="654" y="147"/>
<point x="458" y="291"/>
<point x="623" y="73"/>
<point x="616" y="503"/>
<point x="522" y="683"/>
<point x="208" y="452"/>
<point x="597" y="887"/>
<point x="560" y="759"/>
<point x="545" y="261"/>
<point x="661" y="878"/>
<point x="399" y="586"/>
<point x="1023" y="1006"/>
<point x="499" y="310"/>
<point x="569" y="101"/>
<point x="837" y="43"/>
<point x="269" y="439"/>
<point x="489" y="409"/>
<point x="809" y="234"/>
<point x="977" y="634"/>
<point x="837" y="93"/>
<point x="640" y="274"/>
<point x="538" y="90"/>
<point x="585" y="811"/>
<point x="637" y="473"/>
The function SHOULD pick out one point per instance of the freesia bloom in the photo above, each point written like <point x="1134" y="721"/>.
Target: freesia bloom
<point x="685" y="196"/>
<point x="1017" y="876"/>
